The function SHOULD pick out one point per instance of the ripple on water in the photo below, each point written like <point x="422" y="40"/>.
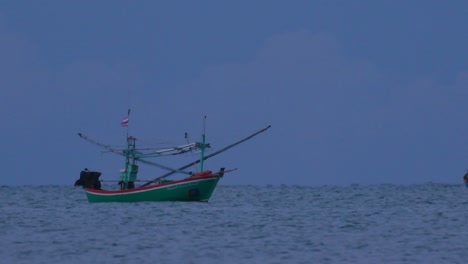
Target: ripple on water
<point x="241" y="224"/>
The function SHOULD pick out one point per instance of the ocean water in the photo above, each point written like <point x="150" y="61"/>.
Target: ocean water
<point x="425" y="223"/>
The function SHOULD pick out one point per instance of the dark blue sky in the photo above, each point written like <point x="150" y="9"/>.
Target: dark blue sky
<point x="361" y="92"/>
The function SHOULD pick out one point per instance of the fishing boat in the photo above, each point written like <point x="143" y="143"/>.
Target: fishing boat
<point x="197" y="186"/>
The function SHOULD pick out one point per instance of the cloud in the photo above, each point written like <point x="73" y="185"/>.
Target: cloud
<point x="336" y="117"/>
<point x="315" y="98"/>
<point x="35" y="89"/>
<point x="44" y="106"/>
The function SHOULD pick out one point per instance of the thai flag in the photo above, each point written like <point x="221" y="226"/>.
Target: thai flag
<point x="125" y="122"/>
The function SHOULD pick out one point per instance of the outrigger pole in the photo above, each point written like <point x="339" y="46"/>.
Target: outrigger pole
<point x="207" y="157"/>
<point x="128" y="153"/>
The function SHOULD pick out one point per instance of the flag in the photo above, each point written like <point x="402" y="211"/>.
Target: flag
<point x="125" y="122"/>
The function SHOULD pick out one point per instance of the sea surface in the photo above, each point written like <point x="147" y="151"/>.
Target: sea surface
<point x="425" y="223"/>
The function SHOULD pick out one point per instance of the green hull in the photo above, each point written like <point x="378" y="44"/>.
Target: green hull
<point x="189" y="189"/>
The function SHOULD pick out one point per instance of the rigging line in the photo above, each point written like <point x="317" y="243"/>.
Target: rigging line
<point x="191" y="151"/>
<point x="122" y="152"/>
<point x="107" y="147"/>
<point x="211" y="155"/>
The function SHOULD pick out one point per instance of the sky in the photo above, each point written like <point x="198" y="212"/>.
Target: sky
<point x="356" y="92"/>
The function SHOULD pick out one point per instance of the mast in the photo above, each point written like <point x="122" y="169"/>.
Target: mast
<point x="202" y="153"/>
<point x="128" y="175"/>
<point x="128" y="118"/>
